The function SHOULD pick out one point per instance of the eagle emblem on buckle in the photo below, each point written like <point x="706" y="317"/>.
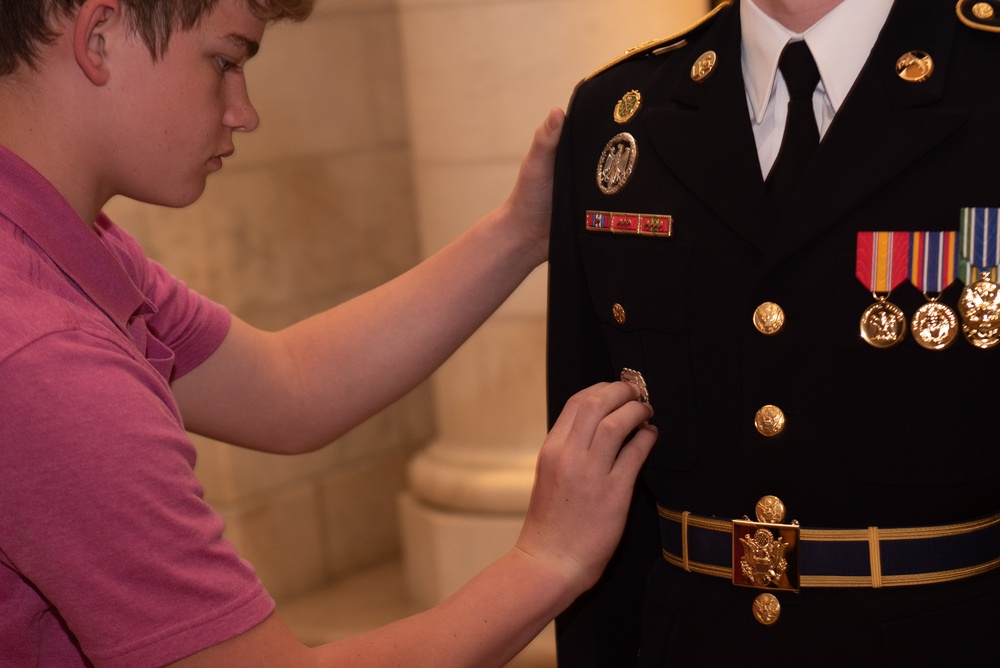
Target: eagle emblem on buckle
<point x="763" y="562"/>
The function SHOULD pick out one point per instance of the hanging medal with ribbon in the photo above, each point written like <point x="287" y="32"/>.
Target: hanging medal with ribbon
<point x="979" y="303"/>
<point x="933" y="267"/>
<point x="882" y="264"/>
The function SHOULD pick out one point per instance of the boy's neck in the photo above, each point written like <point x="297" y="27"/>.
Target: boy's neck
<point x="797" y="15"/>
<point x="39" y="128"/>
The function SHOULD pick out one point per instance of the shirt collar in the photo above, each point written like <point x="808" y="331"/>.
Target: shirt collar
<point x="33" y="204"/>
<point x="840" y="43"/>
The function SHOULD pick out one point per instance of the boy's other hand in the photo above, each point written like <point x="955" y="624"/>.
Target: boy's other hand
<point x="583" y="485"/>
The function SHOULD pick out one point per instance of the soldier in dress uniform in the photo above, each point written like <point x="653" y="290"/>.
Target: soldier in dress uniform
<point x="816" y="326"/>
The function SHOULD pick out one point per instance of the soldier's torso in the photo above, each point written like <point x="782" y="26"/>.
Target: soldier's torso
<point x="897" y="436"/>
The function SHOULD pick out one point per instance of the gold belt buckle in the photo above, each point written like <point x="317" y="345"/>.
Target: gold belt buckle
<point x="766" y="552"/>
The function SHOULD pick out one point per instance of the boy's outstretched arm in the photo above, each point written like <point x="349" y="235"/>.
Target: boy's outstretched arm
<point x="300" y="388"/>
<point x="582" y="490"/>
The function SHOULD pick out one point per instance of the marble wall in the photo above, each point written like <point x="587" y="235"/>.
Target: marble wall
<point x="321" y="203"/>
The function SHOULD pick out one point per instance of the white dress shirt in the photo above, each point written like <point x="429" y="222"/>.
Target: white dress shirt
<point x="840" y="43"/>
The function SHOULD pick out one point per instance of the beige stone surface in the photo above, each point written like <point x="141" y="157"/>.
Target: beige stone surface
<point x="361" y="517"/>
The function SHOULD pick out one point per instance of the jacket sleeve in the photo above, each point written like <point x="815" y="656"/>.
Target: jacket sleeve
<point x="602" y="627"/>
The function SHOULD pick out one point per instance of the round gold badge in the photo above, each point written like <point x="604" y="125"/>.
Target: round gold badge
<point x="704" y="66"/>
<point x="614" y="169"/>
<point x="934" y="326"/>
<point x="979" y="305"/>
<point x="628" y="106"/>
<point x="915" y="67"/>
<point x="883" y="324"/>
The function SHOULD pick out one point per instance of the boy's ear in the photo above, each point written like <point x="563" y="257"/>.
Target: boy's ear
<point x="95" y="22"/>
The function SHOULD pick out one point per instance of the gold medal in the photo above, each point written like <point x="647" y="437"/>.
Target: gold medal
<point x="883" y="324"/>
<point x="934" y="325"/>
<point x="882" y="262"/>
<point x="933" y="265"/>
<point x="980" y="309"/>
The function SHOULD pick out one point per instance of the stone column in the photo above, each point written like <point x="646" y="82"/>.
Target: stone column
<point x="480" y="75"/>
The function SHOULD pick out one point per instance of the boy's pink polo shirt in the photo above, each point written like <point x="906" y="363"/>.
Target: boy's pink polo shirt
<point x="108" y="552"/>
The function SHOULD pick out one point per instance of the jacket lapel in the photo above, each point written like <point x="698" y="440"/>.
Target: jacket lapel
<point x="885" y="125"/>
<point x="702" y="133"/>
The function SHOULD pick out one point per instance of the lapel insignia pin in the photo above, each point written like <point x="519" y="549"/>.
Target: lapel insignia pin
<point x="614" y="169"/>
<point x="627" y="106"/>
<point x="915" y="67"/>
<point x="703" y="66"/>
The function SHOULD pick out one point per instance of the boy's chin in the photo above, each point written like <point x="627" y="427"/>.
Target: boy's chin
<point x="177" y="199"/>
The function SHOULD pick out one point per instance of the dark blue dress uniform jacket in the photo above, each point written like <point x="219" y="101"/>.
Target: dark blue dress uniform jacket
<point x="899" y="437"/>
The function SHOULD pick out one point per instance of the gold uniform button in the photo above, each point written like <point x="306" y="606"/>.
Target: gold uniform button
<point x="770" y="509"/>
<point x="766" y="609"/>
<point x="982" y="10"/>
<point x="768" y="318"/>
<point x="770" y="421"/>
<point x="618" y="312"/>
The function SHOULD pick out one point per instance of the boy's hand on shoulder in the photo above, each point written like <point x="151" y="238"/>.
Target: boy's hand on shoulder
<point x="529" y="206"/>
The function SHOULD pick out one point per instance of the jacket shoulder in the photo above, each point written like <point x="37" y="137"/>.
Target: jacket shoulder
<point x="657" y="47"/>
<point x="979" y="15"/>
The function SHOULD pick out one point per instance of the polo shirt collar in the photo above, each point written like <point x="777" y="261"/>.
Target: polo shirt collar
<point x="33" y="204"/>
<point x="840" y="43"/>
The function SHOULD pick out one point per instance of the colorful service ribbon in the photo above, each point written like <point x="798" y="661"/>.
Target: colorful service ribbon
<point x="933" y="260"/>
<point x="980" y="242"/>
<point x="636" y="223"/>
<point x="882" y="260"/>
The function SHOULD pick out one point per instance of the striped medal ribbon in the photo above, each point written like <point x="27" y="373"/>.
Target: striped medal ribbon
<point x="979" y="303"/>
<point x="882" y="265"/>
<point x="933" y="267"/>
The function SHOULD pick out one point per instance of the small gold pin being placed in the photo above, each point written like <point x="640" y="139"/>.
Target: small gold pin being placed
<point x="635" y="378"/>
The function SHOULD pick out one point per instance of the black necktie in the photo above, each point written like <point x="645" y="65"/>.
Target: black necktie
<point x="801" y="135"/>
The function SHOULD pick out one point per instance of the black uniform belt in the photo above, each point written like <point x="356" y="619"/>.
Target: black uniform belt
<point x="871" y="557"/>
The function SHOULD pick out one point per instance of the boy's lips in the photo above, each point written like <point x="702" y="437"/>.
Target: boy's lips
<point x="216" y="161"/>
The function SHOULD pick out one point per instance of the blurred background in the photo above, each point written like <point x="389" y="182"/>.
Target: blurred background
<point x="388" y="127"/>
